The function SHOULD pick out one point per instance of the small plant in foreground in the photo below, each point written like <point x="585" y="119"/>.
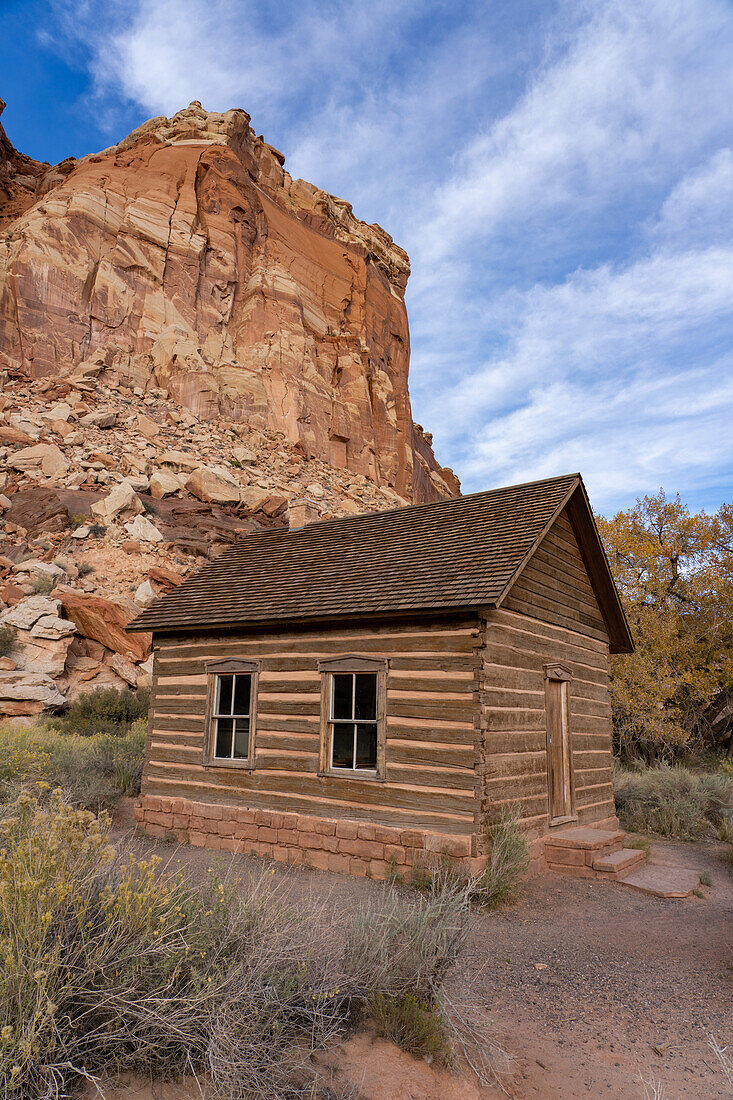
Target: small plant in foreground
<point x="8" y="639"/>
<point x="84" y="568"/>
<point x="413" y="1025"/>
<point x="508" y="861"/>
<point x="706" y="879"/>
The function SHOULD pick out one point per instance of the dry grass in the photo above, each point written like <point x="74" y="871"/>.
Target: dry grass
<point x="674" y="801"/>
<point x="111" y="966"/>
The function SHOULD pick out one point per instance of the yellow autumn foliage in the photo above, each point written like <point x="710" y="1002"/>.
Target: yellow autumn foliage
<point x="674" y="570"/>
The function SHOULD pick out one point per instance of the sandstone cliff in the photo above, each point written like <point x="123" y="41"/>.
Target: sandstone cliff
<point x="186" y="258"/>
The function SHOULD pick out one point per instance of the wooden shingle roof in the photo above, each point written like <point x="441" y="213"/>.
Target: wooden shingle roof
<point x="455" y="553"/>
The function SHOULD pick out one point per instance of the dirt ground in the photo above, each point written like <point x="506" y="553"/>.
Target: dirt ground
<point x="592" y="986"/>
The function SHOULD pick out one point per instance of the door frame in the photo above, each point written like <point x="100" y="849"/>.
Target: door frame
<point x="558" y="673"/>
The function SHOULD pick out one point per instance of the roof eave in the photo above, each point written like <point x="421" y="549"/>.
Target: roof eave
<point x="245" y="625"/>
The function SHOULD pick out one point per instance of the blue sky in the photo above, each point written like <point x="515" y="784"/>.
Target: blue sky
<point x="561" y="175"/>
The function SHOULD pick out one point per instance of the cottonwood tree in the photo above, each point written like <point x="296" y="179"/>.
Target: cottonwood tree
<point x="674" y="570"/>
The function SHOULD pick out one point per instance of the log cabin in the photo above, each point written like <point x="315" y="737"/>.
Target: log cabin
<point x="358" y="693"/>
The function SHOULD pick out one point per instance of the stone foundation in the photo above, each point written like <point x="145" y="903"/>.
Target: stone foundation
<point x="349" y="847"/>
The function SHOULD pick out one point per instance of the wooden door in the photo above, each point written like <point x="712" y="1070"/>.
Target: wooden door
<point x="559" y="757"/>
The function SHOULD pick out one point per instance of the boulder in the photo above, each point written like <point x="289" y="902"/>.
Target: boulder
<point x="254" y="498"/>
<point x="62" y="411"/>
<point x="43" y="655"/>
<point x="104" y="621"/>
<point x="214" y="484"/>
<point x="147" y="427"/>
<point x="145" y="596"/>
<point x="52" y="627"/>
<point x="60" y="427"/>
<point x="103" y="419"/>
<point x="165" y="578"/>
<point x="11" y="594"/>
<point x="139" y="482"/>
<point x="164" y="484"/>
<point x="123" y="500"/>
<point x="141" y="528"/>
<point x="27" y="687"/>
<point x="47" y="457"/>
<point x="36" y="569"/>
<point x="244" y="456"/>
<point x="180" y="459"/>
<point x="124" y="669"/>
<point x="28" y="611"/>
<point x="40" y="510"/>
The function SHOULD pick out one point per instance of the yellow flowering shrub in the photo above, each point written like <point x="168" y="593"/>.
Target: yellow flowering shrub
<point x="93" y="771"/>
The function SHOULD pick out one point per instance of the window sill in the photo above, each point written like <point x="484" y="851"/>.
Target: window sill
<point x="240" y="765"/>
<point x="352" y="773"/>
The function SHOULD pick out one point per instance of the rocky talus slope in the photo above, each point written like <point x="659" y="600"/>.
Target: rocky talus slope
<point x="192" y="346"/>
<point x="109" y="496"/>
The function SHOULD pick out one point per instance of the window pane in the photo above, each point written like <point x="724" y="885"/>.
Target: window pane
<point x="224" y="702"/>
<point x="223" y="736"/>
<point x="343" y="745"/>
<point x="242" y="693"/>
<point x="366" y="745"/>
<point x="241" y="738"/>
<point x="366" y="695"/>
<point x="343" y="684"/>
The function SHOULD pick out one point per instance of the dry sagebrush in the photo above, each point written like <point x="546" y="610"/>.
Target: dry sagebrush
<point x="109" y="965"/>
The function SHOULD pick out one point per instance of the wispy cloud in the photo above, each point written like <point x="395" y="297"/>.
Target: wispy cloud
<point x="561" y="174"/>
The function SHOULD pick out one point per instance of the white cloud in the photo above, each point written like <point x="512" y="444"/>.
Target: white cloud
<point x="699" y="209"/>
<point x="596" y="376"/>
<point x="568" y="209"/>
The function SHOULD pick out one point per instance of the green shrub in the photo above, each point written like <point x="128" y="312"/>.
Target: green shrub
<point x="84" y="568"/>
<point x="8" y="639"/>
<point x="413" y="1025"/>
<point x="674" y="801"/>
<point x="92" y="771"/>
<point x="508" y="861"/>
<point x="42" y="586"/>
<point x="106" y="710"/>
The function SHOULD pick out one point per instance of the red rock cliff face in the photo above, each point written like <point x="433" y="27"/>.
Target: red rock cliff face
<point x="186" y="257"/>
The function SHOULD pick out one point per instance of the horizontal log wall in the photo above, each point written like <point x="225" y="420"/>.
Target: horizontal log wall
<point x="431" y="728"/>
<point x="551" y="614"/>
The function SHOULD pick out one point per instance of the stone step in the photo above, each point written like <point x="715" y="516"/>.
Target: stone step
<point x="663" y="881"/>
<point x="623" y="860"/>
<point x="586" y="839"/>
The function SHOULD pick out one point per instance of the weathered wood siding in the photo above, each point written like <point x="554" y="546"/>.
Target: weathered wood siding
<point x="431" y="729"/>
<point x="551" y="614"/>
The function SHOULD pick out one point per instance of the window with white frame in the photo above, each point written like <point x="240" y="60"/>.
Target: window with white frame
<point x="231" y="712"/>
<point x="354" y="720"/>
<point x="352" y="715"/>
